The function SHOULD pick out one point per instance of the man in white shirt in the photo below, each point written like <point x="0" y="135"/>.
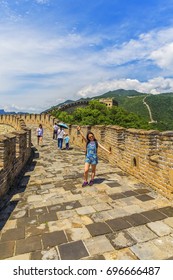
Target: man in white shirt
<point x="60" y="135"/>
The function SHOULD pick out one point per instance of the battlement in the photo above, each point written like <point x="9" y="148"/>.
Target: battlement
<point x="15" y="150"/>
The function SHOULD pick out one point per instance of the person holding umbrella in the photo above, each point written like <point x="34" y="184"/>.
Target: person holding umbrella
<point x="60" y="134"/>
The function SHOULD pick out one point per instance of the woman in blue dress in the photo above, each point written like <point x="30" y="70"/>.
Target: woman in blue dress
<point x="91" y="156"/>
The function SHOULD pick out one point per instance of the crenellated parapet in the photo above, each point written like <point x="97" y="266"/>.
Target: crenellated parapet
<point x="15" y="151"/>
<point x="45" y="119"/>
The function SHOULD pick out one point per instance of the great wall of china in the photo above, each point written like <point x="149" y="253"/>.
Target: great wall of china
<point x="147" y="155"/>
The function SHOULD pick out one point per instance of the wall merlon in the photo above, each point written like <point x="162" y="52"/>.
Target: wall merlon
<point x="15" y="150"/>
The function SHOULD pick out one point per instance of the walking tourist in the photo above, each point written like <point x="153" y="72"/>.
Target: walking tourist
<point x="55" y="130"/>
<point x="39" y="133"/>
<point x="67" y="140"/>
<point x="60" y="136"/>
<point x="91" y="156"/>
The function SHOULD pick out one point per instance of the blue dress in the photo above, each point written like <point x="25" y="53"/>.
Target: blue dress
<point x="91" y="155"/>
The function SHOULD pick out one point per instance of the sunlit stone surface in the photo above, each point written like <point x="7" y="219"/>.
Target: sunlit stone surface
<point x="6" y="129"/>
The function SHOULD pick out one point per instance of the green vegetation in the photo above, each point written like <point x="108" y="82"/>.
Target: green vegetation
<point x="162" y="110"/>
<point x="97" y="113"/>
<point x="131" y="111"/>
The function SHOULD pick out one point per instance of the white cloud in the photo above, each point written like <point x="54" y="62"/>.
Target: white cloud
<point x="153" y="86"/>
<point x="163" y="57"/>
<point x="156" y="45"/>
<point x="42" y="1"/>
<point x="39" y="70"/>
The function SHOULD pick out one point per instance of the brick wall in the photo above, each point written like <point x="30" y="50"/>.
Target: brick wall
<point x="15" y="150"/>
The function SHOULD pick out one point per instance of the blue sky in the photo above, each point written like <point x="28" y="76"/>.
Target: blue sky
<point x="54" y="50"/>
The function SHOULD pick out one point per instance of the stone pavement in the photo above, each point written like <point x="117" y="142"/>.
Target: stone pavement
<point x="50" y="216"/>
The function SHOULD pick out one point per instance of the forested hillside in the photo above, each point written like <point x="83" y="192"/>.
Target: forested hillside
<point x="131" y="111"/>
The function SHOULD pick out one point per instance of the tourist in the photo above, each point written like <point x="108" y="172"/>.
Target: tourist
<point x="67" y="140"/>
<point x="91" y="156"/>
<point x="55" y="130"/>
<point x="60" y="136"/>
<point x="39" y="133"/>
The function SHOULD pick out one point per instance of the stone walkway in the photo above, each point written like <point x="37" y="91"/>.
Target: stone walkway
<point x="50" y="215"/>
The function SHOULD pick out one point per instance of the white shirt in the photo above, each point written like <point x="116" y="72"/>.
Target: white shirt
<point x="61" y="133"/>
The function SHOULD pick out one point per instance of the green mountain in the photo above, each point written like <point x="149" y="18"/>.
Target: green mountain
<point x="161" y="106"/>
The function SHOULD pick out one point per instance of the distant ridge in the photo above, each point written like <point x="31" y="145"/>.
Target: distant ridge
<point x="120" y="92"/>
<point x="109" y="94"/>
<point x="161" y="105"/>
<point x="2" y="112"/>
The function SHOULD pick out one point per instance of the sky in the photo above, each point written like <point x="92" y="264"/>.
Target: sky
<point x="55" y="50"/>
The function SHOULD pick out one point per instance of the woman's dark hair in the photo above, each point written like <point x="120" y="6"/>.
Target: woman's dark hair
<point x="88" y="140"/>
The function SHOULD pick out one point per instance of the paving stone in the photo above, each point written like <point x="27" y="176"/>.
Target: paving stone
<point x="129" y="193"/>
<point x="121" y="240"/>
<point x="50" y="254"/>
<point x="56" y="207"/>
<point x="10" y="224"/>
<point x="38" y="211"/>
<point x="27" y="245"/>
<point x="52" y="239"/>
<point x="36" y="255"/>
<point x="131" y="209"/>
<point x="65" y="214"/>
<point x="13" y="234"/>
<point x="47" y="217"/>
<point x="34" y="198"/>
<point x="168" y="211"/>
<point x="122" y="254"/>
<point x="100" y="216"/>
<point x="141" y="191"/>
<point x="169" y="221"/>
<point x="59" y="225"/>
<point x="153" y="215"/>
<point x="85" y="210"/>
<point x="27" y="221"/>
<point x="118" y="224"/>
<point x="98" y="245"/>
<point x="117" y="212"/>
<point x="136" y="219"/>
<point x="6" y="249"/>
<point x="101" y="206"/>
<point x="131" y="200"/>
<point x="144" y="197"/>
<point x="73" y="251"/>
<point x="35" y="229"/>
<point x="113" y="184"/>
<point x="117" y="196"/>
<point x="141" y="233"/>
<point x="98" y="229"/>
<point x="75" y="234"/>
<point x="160" y="228"/>
<point x="20" y="214"/>
<point x="71" y="205"/>
<point x="148" y="251"/>
<point x="165" y="244"/>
